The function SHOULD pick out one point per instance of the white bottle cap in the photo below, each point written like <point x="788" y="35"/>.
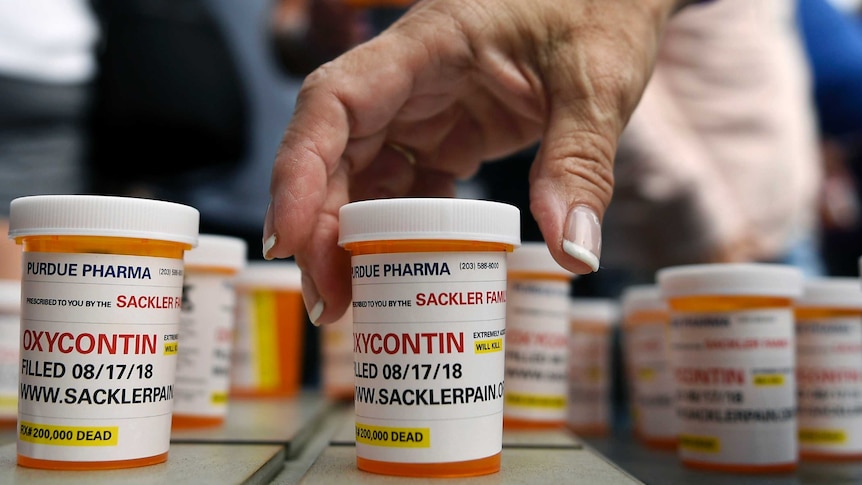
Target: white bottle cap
<point x="535" y="257"/>
<point x="218" y="251"/>
<point x="832" y="292"/>
<point x="431" y="218"/>
<point x="98" y="215"/>
<point x="594" y="310"/>
<point x="642" y="298"/>
<point x="276" y="275"/>
<point x="10" y="296"/>
<point x="731" y="279"/>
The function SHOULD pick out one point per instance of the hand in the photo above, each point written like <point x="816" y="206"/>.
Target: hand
<point x="454" y="83"/>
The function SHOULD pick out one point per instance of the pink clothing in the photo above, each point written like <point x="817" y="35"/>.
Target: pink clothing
<point x="722" y="151"/>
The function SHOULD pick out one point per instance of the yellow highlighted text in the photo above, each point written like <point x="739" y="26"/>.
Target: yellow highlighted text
<point x="393" y="437"/>
<point x="46" y="434"/>
<point x="488" y="346"/>
<point x="822" y="436"/>
<point x="702" y="444"/>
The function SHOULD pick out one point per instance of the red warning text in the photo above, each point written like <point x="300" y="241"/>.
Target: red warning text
<point x="409" y="343"/>
<point x="148" y="301"/>
<point x="710" y="375"/>
<point x="828" y="376"/>
<point x="88" y="343"/>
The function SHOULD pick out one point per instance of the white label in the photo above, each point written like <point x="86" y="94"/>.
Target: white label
<point x="206" y="333"/>
<point x="648" y="356"/>
<point x="589" y="363"/>
<point x="537" y="329"/>
<point x="98" y="355"/>
<point x="10" y="331"/>
<point x="428" y="344"/>
<point x="829" y="376"/>
<point x="735" y="386"/>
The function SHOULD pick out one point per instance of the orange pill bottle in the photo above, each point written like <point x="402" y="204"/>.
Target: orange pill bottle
<point x="429" y="324"/>
<point x="732" y="351"/>
<point x="592" y="323"/>
<point x="266" y="361"/>
<point x="646" y="356"/>
<point x="206" y="331"/>
<point x="101" y="293"/>
<point x="829" y="369"/>
<point x="537" y="329"/>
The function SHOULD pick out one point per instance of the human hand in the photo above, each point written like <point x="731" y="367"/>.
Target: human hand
<point x="454" y="83"/>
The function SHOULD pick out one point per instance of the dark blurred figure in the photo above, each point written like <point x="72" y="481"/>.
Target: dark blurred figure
<point x="193" y="97"/>
<point x="833" y="41"/>
<point x="170" y="106"/>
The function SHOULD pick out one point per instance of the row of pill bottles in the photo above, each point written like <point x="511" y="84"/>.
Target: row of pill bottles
<point x="743" y="376"/>
<point x="112" y="292"/>
<point x="544" y="327"/>
<point x="558" y="348"/>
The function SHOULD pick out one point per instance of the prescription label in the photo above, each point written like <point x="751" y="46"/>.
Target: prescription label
<point x="428" y="347"/>
<point x="651" y="379"/>
<point x="829" y="379"/>
<point x="96" y="378"/>
<point x="735" y="386"/>
<point x="537" y="321"/>
<point x="205" y="337"/>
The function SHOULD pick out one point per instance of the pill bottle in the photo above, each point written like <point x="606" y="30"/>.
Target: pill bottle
<point x="101" y="292"/>
<point x="266" y="361"/>
<point x="646" y="357"/>
<point x="537" y="330"/>
<point x="732" y="353"/>
<point x="592" y="323"/>
<point x="829" y="369"/>
<point x="206" y="331"/>
<point x="336" y="351"/>
<point x="429" y="315"/>
<point x="10" y="336"/>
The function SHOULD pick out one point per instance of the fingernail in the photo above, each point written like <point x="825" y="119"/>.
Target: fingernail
<point x="313" y="304"/>
<point x="582" y="237"/>
<point x="268" y="244"/>
<point x="269" y="237"/>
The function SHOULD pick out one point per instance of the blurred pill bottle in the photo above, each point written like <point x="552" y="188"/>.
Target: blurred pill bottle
<point x="336" y="350"/>
<point x="537" y="329"/>
<point x="206" y="331"/>
<point x="732" y="355"/>
<point x="592" y="323"/>
<point x="646" y="357"/>
<point x="269" y="335"/>
<point x="829" y="369"/>
<point x="10" y="339"/>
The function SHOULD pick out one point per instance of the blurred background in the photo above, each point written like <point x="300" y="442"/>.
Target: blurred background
<point x="747" y="145"/>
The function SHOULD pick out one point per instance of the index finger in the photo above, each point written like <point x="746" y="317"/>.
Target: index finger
<point x="338" y="105"/>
